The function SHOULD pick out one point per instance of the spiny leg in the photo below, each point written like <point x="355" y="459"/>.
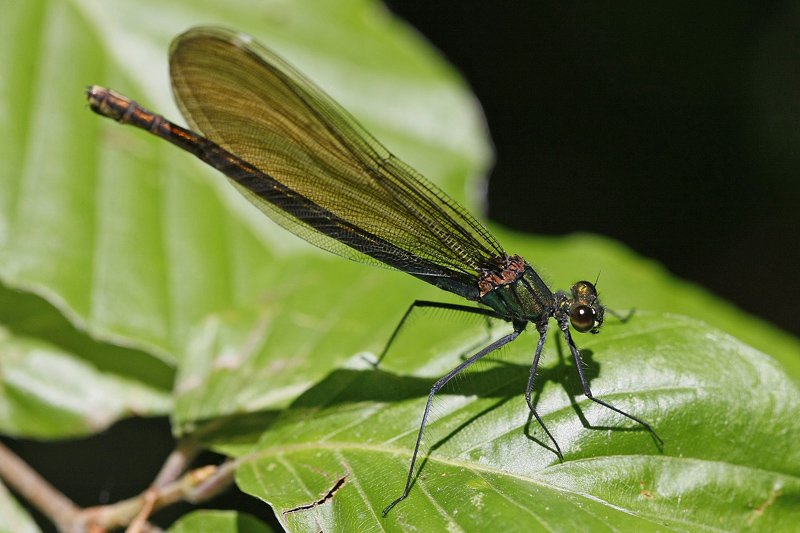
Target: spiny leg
<point x="539" y="346"/>
<point x="436" y="388"/>
<point x="435" y="305"/>
<point x="588" y="392"/>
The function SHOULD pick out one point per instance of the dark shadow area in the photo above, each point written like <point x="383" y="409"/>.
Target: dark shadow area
<point x="503" y="380"/>
<point x="678" y="122"/>
<point x="574" y="389"/>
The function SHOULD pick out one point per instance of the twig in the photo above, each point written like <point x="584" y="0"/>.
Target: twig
<point x="187" y="488"/>
<point x="194" y="486"/>
<point x="177" y="462"/>
<point x="174" y="466"/>
<point x="22" y="478"/>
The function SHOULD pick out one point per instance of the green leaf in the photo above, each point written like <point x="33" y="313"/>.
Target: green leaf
<point x="628" y="281"/>
<point x="218" y="522"/>
<point x="57" y="383"/>
<point x="13" y="517"/>
<point x="147" y="240"/>
<point x="363" y="310"/>
<point x="727" y="414"/>
<point x="48" y="392"/>
<point x="138" y="244"/>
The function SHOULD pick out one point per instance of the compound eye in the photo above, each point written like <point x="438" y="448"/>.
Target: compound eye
<point x="583" y="288"/>
<point x="582" y="318"/>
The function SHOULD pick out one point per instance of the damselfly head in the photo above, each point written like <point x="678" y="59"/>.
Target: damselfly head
<point x="585" y="310"/>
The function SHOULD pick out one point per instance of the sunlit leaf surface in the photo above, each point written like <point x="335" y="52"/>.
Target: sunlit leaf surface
<point x="727" y="413"/>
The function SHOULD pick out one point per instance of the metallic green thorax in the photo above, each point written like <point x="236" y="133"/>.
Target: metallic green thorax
<point x="526" y="298"/>
<point x="517" y="293"/>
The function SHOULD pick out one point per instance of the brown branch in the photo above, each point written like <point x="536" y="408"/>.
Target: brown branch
<point x="30" y="485"/>
<point x="168" y="488"/>
<point x="187" y="488"/>
<point x="174" y="466"/>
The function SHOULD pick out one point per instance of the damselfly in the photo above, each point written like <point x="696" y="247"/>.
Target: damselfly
<point x="308" y="164"/>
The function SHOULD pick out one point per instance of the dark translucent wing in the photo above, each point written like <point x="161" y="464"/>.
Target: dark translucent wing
<point x="246" y="99"/>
